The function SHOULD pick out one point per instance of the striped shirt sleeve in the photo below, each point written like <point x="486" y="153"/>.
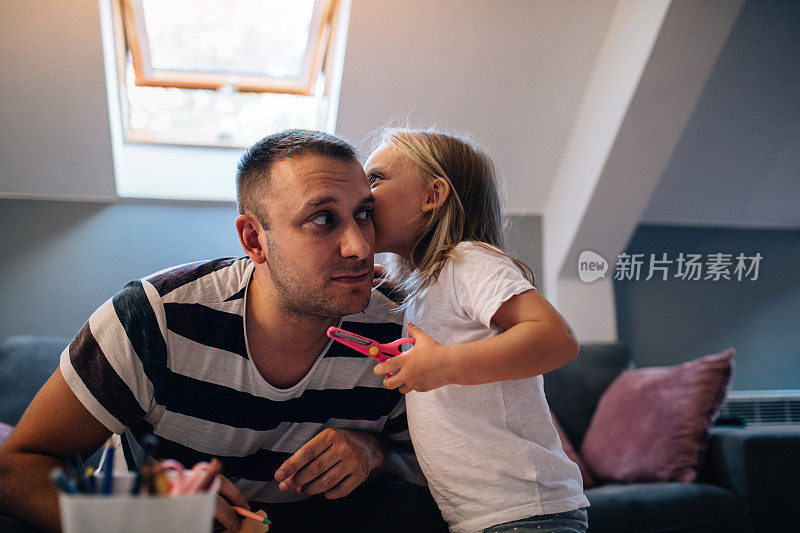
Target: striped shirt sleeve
<point x="396" y="427"/>
<point x="117" y="363"/>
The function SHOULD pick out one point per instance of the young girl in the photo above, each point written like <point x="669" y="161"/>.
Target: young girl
<point x="477" y="414"/>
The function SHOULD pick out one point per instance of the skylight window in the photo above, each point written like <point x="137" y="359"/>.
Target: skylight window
<point x="222" y="72"/>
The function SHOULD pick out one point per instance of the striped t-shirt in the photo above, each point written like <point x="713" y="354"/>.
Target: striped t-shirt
<point x="167" y="355"/>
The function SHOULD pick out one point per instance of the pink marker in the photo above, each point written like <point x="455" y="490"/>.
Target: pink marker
<point x="367" y="346"/>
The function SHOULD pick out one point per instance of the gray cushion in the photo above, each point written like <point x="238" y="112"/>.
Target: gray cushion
<point x="668" y="506"/>
<point x="26" y="362"/>
<point x="574" y="389"/>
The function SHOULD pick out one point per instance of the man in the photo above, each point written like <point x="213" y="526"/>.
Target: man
<point x="230" y="359"/>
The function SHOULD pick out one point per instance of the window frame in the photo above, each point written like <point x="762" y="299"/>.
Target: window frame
<point x="188" y="170"/>
<point x="316" y="60"/>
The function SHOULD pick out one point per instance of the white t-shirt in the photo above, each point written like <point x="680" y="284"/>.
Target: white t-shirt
<point x="490" y="452"/>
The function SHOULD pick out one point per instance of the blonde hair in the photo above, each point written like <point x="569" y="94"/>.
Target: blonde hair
<point x="470" y="212"/>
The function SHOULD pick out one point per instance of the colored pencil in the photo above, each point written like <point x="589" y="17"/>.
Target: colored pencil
<point x="149" y="449"/>
<point x="249" y="514"/>
<point x="75" y="464"/>
<point x="63" y="482"/>
<point x="108" y="469"/>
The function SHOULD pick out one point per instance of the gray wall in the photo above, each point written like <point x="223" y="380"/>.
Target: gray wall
<point x="669" y="322"/>
<point x="524" y="241"/>
<point x="741" y="146"/>
<point x="61" y="260"/>
<point x="54" y="126"/>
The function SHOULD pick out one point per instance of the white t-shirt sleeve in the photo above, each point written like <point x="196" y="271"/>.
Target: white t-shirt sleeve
<point x="483" y="280"/>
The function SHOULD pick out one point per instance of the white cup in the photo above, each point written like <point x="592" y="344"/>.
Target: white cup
<point x="124" y="513"/>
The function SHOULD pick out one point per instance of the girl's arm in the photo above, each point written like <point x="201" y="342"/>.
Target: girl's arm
<point x="536" y="339"/>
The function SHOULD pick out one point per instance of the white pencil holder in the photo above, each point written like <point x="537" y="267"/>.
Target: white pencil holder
<point x="122" y="512"/>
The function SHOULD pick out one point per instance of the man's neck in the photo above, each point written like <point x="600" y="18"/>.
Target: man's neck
<point x="283" y="345"/>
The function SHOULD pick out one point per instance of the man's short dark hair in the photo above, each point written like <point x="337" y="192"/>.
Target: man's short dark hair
<point x="253" y="172"/>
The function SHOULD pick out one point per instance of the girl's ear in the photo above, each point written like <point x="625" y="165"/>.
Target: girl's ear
<point x="438" y="190"/>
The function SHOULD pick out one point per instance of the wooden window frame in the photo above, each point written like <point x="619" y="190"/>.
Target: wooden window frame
<point x="316" y="60"/>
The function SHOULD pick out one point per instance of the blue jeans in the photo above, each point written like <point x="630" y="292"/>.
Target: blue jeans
<point x="570" y="522"/>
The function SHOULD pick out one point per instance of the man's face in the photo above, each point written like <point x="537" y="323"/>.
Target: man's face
<point x="320" y="240"/>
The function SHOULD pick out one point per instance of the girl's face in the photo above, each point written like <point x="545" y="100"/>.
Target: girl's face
<point x="400" y="193"/>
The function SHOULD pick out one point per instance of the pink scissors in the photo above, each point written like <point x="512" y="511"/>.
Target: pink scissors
<point x="369" y="347"/>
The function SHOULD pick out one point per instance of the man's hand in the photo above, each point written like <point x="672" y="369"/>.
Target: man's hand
<point x="425" y="367"/>
<point x="333" y="463"/>
<point x="228" y="496"/>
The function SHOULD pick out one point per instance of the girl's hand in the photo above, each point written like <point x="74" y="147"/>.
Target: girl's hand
<point x="425" y="367"/>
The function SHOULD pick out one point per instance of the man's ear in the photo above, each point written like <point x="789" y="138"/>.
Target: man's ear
<point x="249" y="228"/>
<point x="438" y="190"/>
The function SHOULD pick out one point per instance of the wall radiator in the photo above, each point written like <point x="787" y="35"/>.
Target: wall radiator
<point x="763" y="408"/>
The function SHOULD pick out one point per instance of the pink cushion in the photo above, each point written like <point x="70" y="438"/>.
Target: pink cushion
<point x="652" y="424"/>
<point x="569" y="449"/>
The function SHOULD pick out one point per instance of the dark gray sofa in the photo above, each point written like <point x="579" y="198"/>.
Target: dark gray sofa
<point x="748" y="482"/>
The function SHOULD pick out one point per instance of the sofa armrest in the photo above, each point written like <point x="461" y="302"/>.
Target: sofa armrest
<point x="762" y="466"/>
<point x="26" y="362"/>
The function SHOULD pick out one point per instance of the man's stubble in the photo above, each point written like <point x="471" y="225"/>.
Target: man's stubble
<point x="297" y="297"/>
